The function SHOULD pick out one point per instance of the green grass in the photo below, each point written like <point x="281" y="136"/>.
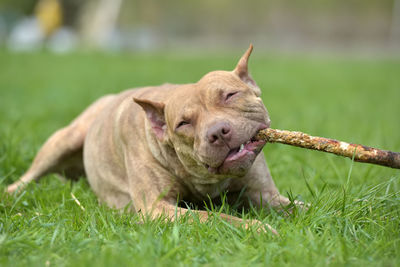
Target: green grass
<point x="354" y="217"/>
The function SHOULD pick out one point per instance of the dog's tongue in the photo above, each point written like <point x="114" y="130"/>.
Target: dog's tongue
<point x="232" y="155"/>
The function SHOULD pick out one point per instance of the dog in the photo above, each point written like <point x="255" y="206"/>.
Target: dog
<point x="147" y="147"/>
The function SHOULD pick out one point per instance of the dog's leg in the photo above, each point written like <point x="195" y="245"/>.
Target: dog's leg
<point x="63" y="143"/>
<point x="154" y="194"/>
<point x="261" y="189"/>
<point x="62" y="152"/>
<point x="172" y="212"/>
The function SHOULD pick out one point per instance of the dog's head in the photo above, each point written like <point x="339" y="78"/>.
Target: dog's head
<point x="211" y="124"/>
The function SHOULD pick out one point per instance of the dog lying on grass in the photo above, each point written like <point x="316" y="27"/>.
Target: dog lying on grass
<point x="149" y="146"/>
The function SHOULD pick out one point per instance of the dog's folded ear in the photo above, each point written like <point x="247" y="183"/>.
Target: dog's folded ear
<point x="242" y="71"/>
<point x="155" y="114"/>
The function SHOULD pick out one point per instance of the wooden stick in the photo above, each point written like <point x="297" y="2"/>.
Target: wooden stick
<point x="361" y="153"/>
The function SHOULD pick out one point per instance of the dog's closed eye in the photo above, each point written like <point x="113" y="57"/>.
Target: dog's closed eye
<point x="182" y="123"/>
<point x="230" y="95"/>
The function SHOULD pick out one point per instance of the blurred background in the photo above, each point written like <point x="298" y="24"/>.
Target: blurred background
<point x="353" y="26"/>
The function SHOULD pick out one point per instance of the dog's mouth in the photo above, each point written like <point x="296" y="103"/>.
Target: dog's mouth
<point x="252" y="146"/>
<point x="239" y="158"/>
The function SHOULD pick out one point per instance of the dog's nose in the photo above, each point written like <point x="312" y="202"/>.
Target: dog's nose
<point x="219" y="133"/>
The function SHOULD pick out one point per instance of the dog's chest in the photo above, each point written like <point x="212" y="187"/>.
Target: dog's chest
<point x="202" y="191"/>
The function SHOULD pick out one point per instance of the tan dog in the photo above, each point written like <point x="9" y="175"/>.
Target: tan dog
<point x="149" y="147"/>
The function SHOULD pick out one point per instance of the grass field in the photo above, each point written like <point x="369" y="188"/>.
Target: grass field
<point x="354" y="218"/>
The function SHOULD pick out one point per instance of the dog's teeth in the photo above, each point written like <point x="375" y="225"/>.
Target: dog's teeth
<point x="241" y="147"/>
<point x="248" y="142"/>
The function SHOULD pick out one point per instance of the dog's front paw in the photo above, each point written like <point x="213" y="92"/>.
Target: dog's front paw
<point x="260" y="227"/>
<point x="294" y="207"/>
<point x="301" y="205"/>
<point x="12" y="188"/>
<point x="287" y="206"/>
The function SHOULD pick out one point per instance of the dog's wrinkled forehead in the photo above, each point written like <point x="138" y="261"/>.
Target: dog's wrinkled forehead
<point x="203" y="95"/>
<point x="216" y="82"/>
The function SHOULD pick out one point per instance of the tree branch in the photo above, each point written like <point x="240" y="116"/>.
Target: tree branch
<point x="361" y="153"/>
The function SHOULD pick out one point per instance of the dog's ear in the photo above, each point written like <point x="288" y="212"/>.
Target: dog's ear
<point x="155" y="114"/>
<point x="242" y="71"/>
